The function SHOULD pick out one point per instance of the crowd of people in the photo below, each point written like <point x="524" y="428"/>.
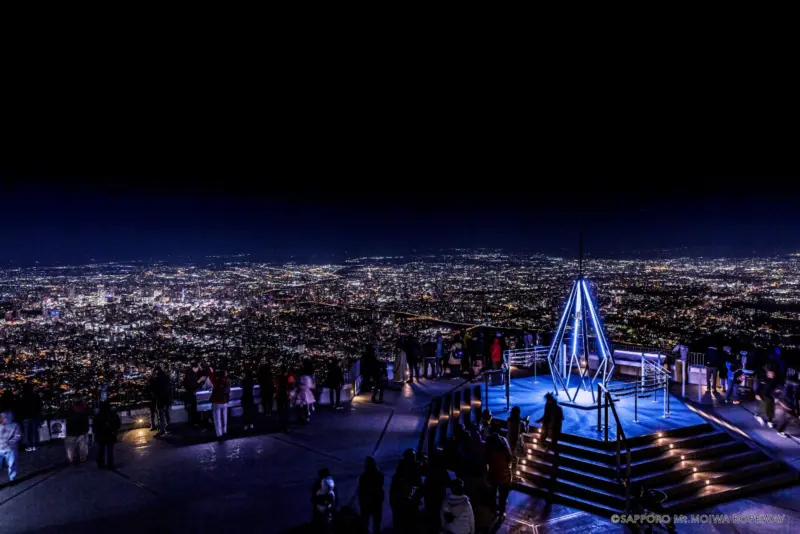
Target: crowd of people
<point x="772" y="378"/>
<point x="464" y="354"/>
<point x="425" y="498"/>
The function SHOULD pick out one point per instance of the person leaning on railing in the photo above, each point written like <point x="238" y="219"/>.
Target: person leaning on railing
<point x="190" y="386"/>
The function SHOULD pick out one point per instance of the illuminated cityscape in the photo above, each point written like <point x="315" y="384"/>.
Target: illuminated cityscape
<point x="83" y="328"/>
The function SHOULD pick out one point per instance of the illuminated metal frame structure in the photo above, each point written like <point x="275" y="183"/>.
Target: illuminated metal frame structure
<point x="578" y="302"/>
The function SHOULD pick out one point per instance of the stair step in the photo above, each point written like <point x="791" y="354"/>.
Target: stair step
<point x="569" y="487"/>
<point x="696" y="480"/>
<point x="685" y="467"/>
<point x="635" y="442"/>
<point x="716" y="493"/>
<point x="466" y="408"/>
<point x="444" y="419"/>
<point x="608" y="484"/>
<point x="574" y="462"/>
<point x="570" y="500"/>
<point x="432" y="424"/>
<point x="673" y="456"/>
<point x="455" y="411"/>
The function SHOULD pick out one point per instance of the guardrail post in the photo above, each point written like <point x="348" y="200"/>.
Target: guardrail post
<point x="599" y="407"/>
<point x="683" y="378"/>
<point x="608" y="399"/>
<point x="642" y="369"/>
<point x="700" y="388"/>
<point x="508" y="388"/>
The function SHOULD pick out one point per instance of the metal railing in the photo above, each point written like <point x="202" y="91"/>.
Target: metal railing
<point x="621" y="439"/>
<point x="526" y="357"/>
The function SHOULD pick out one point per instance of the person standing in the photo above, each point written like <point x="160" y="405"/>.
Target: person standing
<point x="368" y="363"/>
<point x="766" y="394"/>
<point x="400" y="361"/>
<point x="77" y="430"/>
<point x="8" y="402"/>
<point x="498" y="457"/>
<point x="304" y="397"/>
<point x="266" y="383"/>
<point x="456" y="355"/>
<point x="434" y="491"/>
<point x="335" y="381"/>
<point x="370" y="496"/>
<point x="282" y="397"/>
<point x="10" y="436"/>
<point x="30" y="410"/>
<point x="496" y="353"/>
<point x="412" y="355"/>
<point x="190" y="387"/>
<point x="220" y="396"/>
<point x="457" y="516"/>
<point x="106" y="425"/>
<point x="711" y="369"/>
<point x="723" y="364"/>
<point x="324" y="501"/>
<point x="248" y="400"/>
<point x="381" y="380"/>
<point x="552" y="420"/>
<point x="404" y="492"/>
<point x="514" y="424"/>
<point x="439" y="371"/>
<point x="162" y="391"/>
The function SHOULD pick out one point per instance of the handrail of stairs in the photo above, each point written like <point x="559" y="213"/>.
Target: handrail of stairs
<point x="659" y="376"/>
<point x="603" y="393"/>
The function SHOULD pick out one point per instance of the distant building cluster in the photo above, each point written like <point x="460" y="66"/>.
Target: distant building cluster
<point x="102" y="327"/>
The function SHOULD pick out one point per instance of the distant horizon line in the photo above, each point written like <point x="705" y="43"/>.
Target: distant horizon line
<point x="316" y="258"/>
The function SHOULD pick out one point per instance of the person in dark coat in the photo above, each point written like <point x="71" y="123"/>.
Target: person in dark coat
<point x="77" y="417"/>
<point x="190" y="387"/>
<point x="514" y="424"/>
<point x="106" y="424"/>
<point x="248" y="400"/>
<point x="266" y="383"/>
<point x="434" y="491"/>
<point x="766" y="394"/>
<point x="8" y="402"/>
<point x="498" y="457"/>
<point x="370" y="496"/>
<point x="30" y="412"/>
<point x="380" y="379"/>
<point x="711" y="368"/>
<point x="335" y="381"/>
<point x="161" y="390"/>
<point x="282" y="392"/>
<point x="413" y="350"/>
<point x="369" y="361"/>
<point x="551" y="422"/>
<point x="404" y="492"/>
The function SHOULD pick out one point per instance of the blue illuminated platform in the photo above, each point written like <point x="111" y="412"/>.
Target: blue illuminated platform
<point x="528" y="393"/>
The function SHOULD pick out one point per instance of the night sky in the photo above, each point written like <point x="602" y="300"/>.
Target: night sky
<point x="318" y="195"/>
<point x="51" y="217"/>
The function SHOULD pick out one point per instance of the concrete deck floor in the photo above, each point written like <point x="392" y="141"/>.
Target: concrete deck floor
<point x="261" y="483"/>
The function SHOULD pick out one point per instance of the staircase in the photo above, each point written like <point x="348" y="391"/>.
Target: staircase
<point x="694" y="466"/>
<point x="445" y="412"/>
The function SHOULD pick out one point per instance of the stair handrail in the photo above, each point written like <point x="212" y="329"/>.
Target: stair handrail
<point x="661" y="377"/>
<point x="621" y="439"/>
<point x="525" y="356"/>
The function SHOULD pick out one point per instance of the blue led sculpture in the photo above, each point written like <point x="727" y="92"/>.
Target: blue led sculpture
<point x="568" y="356"/>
